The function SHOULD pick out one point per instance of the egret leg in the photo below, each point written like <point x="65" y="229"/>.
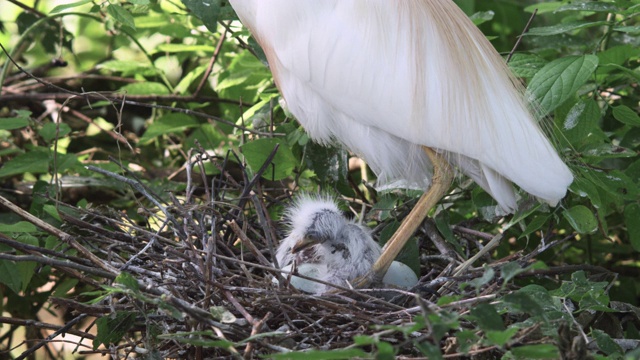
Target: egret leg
<point x="442" y="178"/>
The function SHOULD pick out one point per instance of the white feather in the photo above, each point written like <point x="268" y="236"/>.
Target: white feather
<point x="385" y="77"/>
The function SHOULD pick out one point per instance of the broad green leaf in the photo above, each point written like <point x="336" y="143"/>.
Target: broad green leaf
<point x="632" y="221"/>
<point x="51" y="131"/>
<point x="526" y="65"/>
<point x="501" y="338"/>
<point x="606" y="343"/>
<point x="581" y="120"/>
<point x="177" y="48"/>
<point x="607" y="151"/>
<point x="36" y="161"/>
<point x="128" y="68"/>
<point x="19" y="227"/>
<point x="127" y="280"/>
<point x="560" y="79"/>
<point x="482" y="17"/>
<point x="534" y="225"/>
<point x="538" y="351"/>
<point x="487" y="317"/>
<point x="628" y="29"/>
<point x="210" y="11"/>
<point x="545" y="7"/>
<point x="168" y="124"/>
<point x="256" y="153"/>
<point x="121" y="15"/>
<point x="581" y="219"/>
<point x="13" y="123"/>
<point x="321" y="355"/>
<point x="595" y="6"/>
<point x="11" y="275"/>
<point x="111" y="328"/>
<point x="62" y="7"/>
<point x="145" y="88"/>
<point x="626" y="115"/>
<point x="563" y="28"/>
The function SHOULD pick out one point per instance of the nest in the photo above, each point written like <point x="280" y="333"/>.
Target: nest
<point x="196" y="280"/>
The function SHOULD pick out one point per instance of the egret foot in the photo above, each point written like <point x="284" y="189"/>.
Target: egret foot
<point x="442" y="178"/>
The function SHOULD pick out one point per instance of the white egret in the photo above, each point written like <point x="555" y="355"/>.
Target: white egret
<point x="324" y="245"/>
<point x="391" y="78"/>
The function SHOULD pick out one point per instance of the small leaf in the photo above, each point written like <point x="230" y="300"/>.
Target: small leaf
<point x="36" y="161"/>
<point x="563" y="28"/>
<point x="19" y="227"/>
<point x="626" y="115"/>
<point x="13" y="123"/>
<point x="256" y="153"/>
<point x="539" y="351"/>
<point x="51" y="131"/>
<point x="145" y="88"/>
<point x="526" y="65"/>
<point x="62" y="7"/>
<point x="605" y="343"/>
<point x="112" y="329"/>
<point x="127" y="280"/>
<point x="487" y="317"/>
<point x="221" y="314"/>
<point x="501" y="338"/>
<point x="168" y="124"/>
<point x="560" y="80"/>
<point x="581" y="219"/>
<point x="121" y="15"/>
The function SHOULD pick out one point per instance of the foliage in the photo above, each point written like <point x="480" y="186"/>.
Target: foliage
<point x="139" y="87"/>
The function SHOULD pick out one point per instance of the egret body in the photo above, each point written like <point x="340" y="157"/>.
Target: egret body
<point x="391" y="79"/>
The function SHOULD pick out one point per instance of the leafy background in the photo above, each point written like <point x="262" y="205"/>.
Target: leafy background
<point x="579" y="59"/>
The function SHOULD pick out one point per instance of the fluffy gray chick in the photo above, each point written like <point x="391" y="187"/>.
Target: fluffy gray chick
<point x="324" y="244"/>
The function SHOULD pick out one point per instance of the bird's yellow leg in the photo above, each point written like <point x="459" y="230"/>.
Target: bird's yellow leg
<point x="442" y="178"/>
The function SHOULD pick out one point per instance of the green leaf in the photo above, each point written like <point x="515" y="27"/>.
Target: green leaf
<point x="560" y="80"/>
<point x="581" y="120"/>
<point x="595" y="6"/>
<point x="539" y="351"/>
<point x="256" y="153"/>
<point x="169" y="124"/>
<point x="526" y="65"/>
<point x="563" y="28"/>
<point x="11" y="275"/>
<point x="36" y="161"/>
<point x="605" y="343"/>
<point x="51" y="131"/>
<point x="62" y="7"/>
<point x="111" y="329"/>
<point x="19" y="227"/>
<point x="626" y="115"/>
<point x="13" y="123"/>
<point x="581" y="219"/>
<point x="320" y="355"/>
<point x="487" y="317"/>
<point x="210" y="11"/>
<point x="482" y="17"/>
<point x="632" y="221"/>
<point x="121" y="15"/>
<point x="129" y="282"/>
<point x="178" y="48"/>
<point x="501" y="338"/>
<point x="145" y="88"/>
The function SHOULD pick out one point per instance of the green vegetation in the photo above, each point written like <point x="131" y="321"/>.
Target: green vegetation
<point x="175" y="99"/>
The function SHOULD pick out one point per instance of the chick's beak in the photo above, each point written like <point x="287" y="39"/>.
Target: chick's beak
<point x="303" y="244"/>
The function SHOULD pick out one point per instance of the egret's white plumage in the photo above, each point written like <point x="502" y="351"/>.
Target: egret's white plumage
<point x="324" y="245"/>
<point x="386" y="77"/>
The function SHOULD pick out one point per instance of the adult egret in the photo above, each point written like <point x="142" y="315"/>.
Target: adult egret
<point x="324" y="245"/>
<point x="411" y="86"/>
